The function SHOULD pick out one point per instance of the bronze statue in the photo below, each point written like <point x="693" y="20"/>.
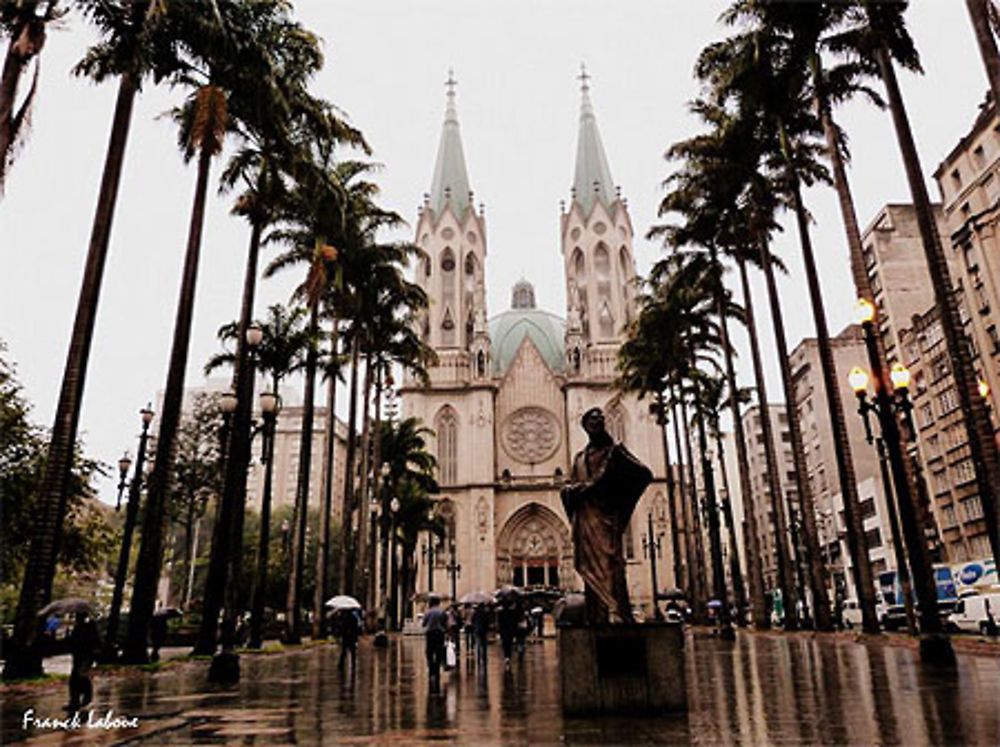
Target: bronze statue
<point x="605" y="484"/>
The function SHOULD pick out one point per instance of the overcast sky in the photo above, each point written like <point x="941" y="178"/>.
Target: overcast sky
<point x="386" y="63"/>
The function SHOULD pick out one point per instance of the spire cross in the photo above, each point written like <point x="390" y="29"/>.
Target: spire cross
<point x="584" y="77"/>
<point x="451" y="83"/>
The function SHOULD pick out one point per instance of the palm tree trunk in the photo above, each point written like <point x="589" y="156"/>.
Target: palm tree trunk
<point x="841" y="443"/>
<point x="987" y="45"/>
<point x="714" y="533"/>
<point x="326" y="509"/>
<point x="189" y="527"/>
<point x="803" y="489"/>
<point x="23" y="658"/>
<point x="361" y="584"/>
<point x="263" y="547"/>
<point x="751" y="540"/>
<point x="227" y="546"/>
<point x="346" y="519"/>
<point x="981" y="440"/>
<point x="786" y="579"/>
<point x="735" y="572"/>
<point x="150" y="559"/>
<point x="376" y="474"/>
<point x="685" y="506"/>
<point x="293" y="606"/>
<point x="700" y="585"/>
<point x="856" y="544"/>
<point x="675" y="548"/>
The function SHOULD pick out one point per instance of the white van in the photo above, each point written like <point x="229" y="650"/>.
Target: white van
<point x="976" y="614"/>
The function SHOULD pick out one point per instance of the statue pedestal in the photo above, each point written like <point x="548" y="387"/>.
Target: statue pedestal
<point x="622" y="668"/>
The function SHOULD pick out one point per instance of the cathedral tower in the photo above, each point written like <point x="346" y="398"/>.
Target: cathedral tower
<point x="453" y="237"/>
<point x="596" y="233"/>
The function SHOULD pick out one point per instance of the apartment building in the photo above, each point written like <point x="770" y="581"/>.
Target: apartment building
<point x="821" y="461"/>
<point x="761" y="501"/>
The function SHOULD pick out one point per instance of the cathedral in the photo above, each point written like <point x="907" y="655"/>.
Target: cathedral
<point x="507" y="393"/>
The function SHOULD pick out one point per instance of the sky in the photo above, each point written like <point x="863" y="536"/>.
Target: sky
<point x="518" y="101"/>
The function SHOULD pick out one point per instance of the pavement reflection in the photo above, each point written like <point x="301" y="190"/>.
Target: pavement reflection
<point x="764" y="689"/>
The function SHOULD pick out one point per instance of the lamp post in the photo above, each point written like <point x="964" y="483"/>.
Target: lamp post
<point x="427" y="551"/>
<point x="270" y="406"/>
<point x="384" y="545"/>
<point x="454" y="569"/>
<point x="394" y="586"/>
<point x="651" y="544"/>
<point x="131" y="514"/>
<point x="935" y="646"/>
<point x="225" y="568"/>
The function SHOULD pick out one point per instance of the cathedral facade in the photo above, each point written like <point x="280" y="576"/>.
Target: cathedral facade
<point x="507" y="394"/>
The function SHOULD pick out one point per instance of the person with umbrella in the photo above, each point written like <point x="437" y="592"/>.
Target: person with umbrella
<point x="350" y="629"/>
<point x="480" y="630"/>
<point x="507" y="621"/>
<point x="436" y="625"/>
<point x="84" y="644"/>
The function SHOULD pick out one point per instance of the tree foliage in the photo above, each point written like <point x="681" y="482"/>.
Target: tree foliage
<point x="88" y="538"/>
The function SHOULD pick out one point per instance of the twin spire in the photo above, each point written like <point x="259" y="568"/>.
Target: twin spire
<point x="592" y="176"/>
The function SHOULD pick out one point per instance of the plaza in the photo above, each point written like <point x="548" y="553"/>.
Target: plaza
<point x="765" y="689"/>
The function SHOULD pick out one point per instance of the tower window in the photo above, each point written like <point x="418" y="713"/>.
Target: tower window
<point x="447" y="442"/>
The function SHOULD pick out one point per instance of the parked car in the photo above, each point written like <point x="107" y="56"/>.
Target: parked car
<point x="976" y="614"/>
<point x="851" y="613"/>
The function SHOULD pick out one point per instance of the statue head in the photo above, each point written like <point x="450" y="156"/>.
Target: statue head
<point x="593" y="421"/>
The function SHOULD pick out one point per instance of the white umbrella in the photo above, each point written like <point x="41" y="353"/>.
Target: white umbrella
<point x="343" y="602"/>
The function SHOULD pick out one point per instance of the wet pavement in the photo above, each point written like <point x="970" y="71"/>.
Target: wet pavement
<point x="764" y="689"/>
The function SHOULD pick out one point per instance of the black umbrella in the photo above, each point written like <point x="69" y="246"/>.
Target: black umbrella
<point x="506" y="592"/>
<point x="168" y="612"/>
<point x="674" y="594"/>
<point x="67" y="606"/>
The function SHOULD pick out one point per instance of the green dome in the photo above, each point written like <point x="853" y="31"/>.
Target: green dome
<point x="508" y="330"/>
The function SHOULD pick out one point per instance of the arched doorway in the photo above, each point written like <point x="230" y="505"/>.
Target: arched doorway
<point x="534" y="550"/>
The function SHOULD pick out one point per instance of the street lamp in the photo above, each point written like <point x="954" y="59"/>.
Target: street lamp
<point x="228" y="555"/>
<point x="651" y="544"/>
<point x="270" y="406"/>
<point x="427" y="550"/>
<point x="394" y="590"/>
<point x="123" y="464"/>
<point x="454" y="569"/>
<point x="131" y="514"/>
<point x="935" y="645"/>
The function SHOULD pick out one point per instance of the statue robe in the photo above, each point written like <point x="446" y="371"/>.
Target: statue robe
<point x="606" y="482"/>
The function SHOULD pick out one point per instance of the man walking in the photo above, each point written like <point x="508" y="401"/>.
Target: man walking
<point x="480" y="630"/>
<point x="436" y="625"/>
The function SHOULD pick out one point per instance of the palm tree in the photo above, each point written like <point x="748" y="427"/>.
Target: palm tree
<point x="979" y="14"/>
<point x="409" y="479"/>
<point x="889" y="41"/>
<point x="25" y="23"/>
<point x="280" y="353"/>
<point x="757" y="70"/>
<point x="228" y="55"/>
<point x="130" y="50"/>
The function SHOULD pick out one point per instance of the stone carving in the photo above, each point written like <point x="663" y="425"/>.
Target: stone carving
<point x="531" y="435"/>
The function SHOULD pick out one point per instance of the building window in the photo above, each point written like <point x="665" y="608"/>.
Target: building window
<point x="446" y="427"/>
<point x="873" y="538"/>
<point x="981" y="546"/>
<point x="964" y="472"/>
<point x="867" y="508"/>
<point x="994" y="338"/>
<point x="949" y="516"/>
<point x="972" y="508"/>
<point x="979" y="157"/>
<point x="956" y="179"/>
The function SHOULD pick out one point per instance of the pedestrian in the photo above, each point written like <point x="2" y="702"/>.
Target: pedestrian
<point x="84" y="643"/>
<point x="436" y="626"/>
<point x="455" y="627"/>
<point x="481" y="629"/>
<point x="470" y="633"/>
<point x="157" y="635"/>
<point x="521" y="633"/>
<point x="540" y="623"/>
<point x="350" y="629"/>
<point x="507" y="620"/>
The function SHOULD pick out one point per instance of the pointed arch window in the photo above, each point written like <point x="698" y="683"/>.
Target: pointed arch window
<point x="446" y="426"/>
